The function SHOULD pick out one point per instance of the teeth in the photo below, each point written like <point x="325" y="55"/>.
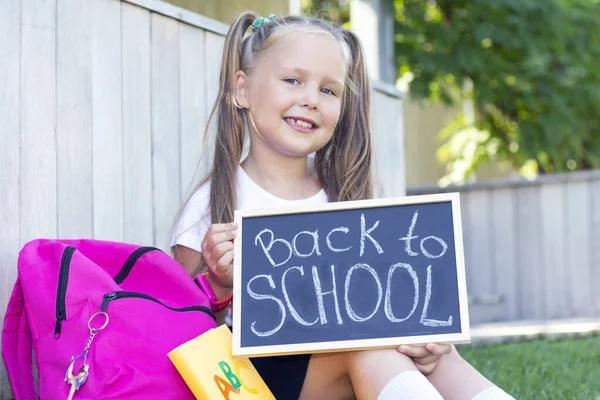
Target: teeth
<point x="302" y="124"/>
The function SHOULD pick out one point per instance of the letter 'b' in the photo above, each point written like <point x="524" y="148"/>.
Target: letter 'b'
<point x="235" y="382"/>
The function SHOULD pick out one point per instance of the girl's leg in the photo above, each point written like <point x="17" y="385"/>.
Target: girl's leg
<point x="456" y="379"/>
<point x="363" y="375"/>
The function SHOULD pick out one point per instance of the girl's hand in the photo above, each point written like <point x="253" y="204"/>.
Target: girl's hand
<point x="426" y="357"/>
<point x="217" y="251"/>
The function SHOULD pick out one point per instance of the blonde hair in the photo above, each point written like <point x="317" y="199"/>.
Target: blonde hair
<point x="343" y="164"/>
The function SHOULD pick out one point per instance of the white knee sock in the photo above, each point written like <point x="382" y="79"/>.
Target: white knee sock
<point x="493" y="393"/>
<point x="410" y="385"/>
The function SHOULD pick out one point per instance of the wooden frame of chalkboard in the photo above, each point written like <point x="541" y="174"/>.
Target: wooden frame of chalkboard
<point x="442" y="210"/>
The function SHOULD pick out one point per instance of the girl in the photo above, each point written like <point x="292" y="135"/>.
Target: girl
<point x="298" y="86"/>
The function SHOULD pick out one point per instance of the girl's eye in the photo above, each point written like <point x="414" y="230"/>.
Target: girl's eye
<point x="328" y="91"/>
<point x="292" y="81"/>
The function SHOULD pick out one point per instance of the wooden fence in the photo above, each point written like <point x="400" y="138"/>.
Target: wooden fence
<point x="534" y="246"/>
<point x="102" y="109"/>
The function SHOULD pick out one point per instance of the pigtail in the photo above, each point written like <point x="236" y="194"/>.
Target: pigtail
<point x="230" y="125"/>
<point x="344" y="164"/>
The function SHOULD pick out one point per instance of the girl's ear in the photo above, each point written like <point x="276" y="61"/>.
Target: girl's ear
<point x="241" y="90"/>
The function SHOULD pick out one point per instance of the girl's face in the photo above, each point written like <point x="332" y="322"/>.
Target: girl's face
<point x="294" y="94"/>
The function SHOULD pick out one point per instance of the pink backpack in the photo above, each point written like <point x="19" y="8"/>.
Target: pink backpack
<point x="127" y="305"/>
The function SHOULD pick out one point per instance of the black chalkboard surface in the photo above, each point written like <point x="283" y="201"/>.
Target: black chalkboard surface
<point x="350" y="275"/>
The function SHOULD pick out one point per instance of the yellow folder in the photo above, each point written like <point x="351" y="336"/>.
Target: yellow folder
<point x="211" y="372"/>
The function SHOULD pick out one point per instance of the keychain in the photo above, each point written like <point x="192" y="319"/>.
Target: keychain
<point x="76" y="381"/>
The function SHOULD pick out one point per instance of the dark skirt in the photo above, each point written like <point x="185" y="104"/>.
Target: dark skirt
<point x="284" y="375"/>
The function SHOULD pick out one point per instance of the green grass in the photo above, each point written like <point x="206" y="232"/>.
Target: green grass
<point x="541" y="369"/>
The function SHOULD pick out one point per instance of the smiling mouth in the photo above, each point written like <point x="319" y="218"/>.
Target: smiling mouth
<point x="303" y="125"/>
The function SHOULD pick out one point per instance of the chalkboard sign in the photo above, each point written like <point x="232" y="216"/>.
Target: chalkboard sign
<point x="350" y="275"/>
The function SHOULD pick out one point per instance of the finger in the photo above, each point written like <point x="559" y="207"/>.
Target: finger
<point x="211" y="240"/>
<point x="212" y="257"/>
<point x="439" y="348"/>
<point x="220" y="249"/>
<point x="430" y="359"/>
<point x="414" y="351"/>
<point x="224" y="263"/>
<point x="216" y="228"/>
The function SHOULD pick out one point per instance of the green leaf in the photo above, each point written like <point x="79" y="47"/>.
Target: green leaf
<point x="529" y="67"/>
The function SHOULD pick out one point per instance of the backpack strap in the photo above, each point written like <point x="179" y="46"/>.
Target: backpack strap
<point x="17" y="347"/>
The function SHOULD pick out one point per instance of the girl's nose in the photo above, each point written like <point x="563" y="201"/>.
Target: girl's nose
<point x="310" y="99"/>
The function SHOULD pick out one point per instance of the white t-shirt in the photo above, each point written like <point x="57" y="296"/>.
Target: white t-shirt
<point x="195" y="219"/>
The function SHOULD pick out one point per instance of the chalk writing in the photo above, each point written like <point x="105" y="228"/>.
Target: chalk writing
<point x="369" y="272"/>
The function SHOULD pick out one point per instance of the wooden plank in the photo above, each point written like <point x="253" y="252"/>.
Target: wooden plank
<point x="512" y="182"/>
<point x="74" y="118"/>
<point x="38" y="169"/>
<point x="183" y="15"/>
<point x="504" y="261"/>
<point x="398" y="152"/>
<point x="193" y="111"/>
<point x="465" y="204"/>
<point x="480" y="246"/>
<point x="379" y="149"/>
<point x="106" y="116"/>
<point x="595" y="239"/>
<point x="383" y="133"/>
<point x="214" y="51"/>
<point x="137" y="150"/>
<point x="393" y="132"/>
<point x="10" y="136"/>
<point x="388" y="144"/>
<point x="166" y="180"/>
<point x="38" y="204"/>
<point x="578" y="247"/>
<point x="528" y="236"/>
<point x="555" y="276"/>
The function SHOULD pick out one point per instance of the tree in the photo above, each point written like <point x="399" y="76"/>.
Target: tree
<point x="528" y="67"/>
<point x="336" y="11"/>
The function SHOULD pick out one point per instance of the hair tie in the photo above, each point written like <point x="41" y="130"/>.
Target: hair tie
<point x="261" y="21"/>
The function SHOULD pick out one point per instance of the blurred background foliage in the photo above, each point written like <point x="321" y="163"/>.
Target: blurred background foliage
<point x="524" y="72"/>
<point x="336" y="11"/>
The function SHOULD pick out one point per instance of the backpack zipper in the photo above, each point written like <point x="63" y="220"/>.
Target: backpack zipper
<point x="126" y="269"/>
<point x="108" y="297"/>
<point x="61" y="291"/>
